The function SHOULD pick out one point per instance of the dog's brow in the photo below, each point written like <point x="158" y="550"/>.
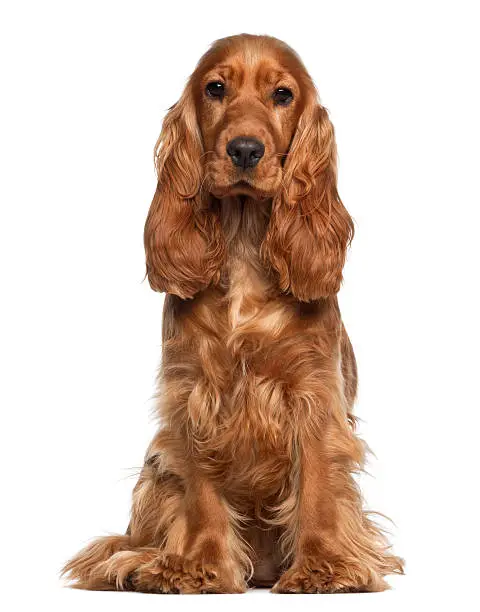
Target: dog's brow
<point x="279" y="77"/>
<point x="223" y="70"/>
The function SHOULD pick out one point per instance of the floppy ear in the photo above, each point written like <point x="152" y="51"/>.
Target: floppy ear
<point x="183" y="240"/>
<point x="310" y="229"/>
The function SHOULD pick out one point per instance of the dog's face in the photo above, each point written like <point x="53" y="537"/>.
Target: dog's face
<point x="249" y="123"/>
<point x="249" y="101"/>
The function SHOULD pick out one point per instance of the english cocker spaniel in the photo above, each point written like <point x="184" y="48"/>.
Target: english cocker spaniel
<point x="249" y="479"/>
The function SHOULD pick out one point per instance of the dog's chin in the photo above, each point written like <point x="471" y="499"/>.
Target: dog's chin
<point x="241" y="188"/>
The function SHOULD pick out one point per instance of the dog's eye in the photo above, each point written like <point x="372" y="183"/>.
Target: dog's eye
<point x="215" y="89"/>
<point x="282" y="96"/>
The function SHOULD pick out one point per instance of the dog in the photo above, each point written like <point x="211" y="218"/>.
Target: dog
<point x="250" y="477"/>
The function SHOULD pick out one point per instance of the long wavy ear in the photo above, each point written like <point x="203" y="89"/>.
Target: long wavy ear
<point x="310" y="229"/>
<point x="183" y="240"/>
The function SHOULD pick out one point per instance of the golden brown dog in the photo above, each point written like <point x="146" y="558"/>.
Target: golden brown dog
<point x="249" y="478"/>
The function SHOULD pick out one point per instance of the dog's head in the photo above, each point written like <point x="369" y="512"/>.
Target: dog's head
<point x="248" y="124"/>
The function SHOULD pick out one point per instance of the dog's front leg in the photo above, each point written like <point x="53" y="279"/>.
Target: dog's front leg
<point x="334" y="546"/>
<point x="201" y="552"/>
<point x="181" y="539"/>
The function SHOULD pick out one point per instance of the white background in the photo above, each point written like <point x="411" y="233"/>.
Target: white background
<point x="85" y="86"/>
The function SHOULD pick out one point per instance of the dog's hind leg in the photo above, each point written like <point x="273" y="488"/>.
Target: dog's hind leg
<point x="86" y="569"/>
<point x="106" y="563"/>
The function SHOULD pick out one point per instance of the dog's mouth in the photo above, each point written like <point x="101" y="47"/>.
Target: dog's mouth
<point x="242" y="188"/>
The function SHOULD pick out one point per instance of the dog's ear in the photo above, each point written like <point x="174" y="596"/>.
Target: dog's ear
<point x="183" y="240"/>
<point x="310" y="229"/>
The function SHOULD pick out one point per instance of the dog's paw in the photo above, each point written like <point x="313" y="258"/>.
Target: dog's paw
<point x="175" y="574"/>
<point x="321" y="576"/>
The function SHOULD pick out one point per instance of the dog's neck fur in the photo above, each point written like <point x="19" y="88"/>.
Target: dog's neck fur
<point x="244" y="222"/>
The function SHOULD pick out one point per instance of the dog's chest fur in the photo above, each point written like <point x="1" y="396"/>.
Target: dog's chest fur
<point x="255" y="322"/>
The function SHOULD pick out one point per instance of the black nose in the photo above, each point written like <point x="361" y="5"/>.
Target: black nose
<point x="245" y="152"/>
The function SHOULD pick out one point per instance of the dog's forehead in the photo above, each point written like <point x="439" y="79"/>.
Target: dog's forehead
<point x="250" y="65"/>
<point x="245" y="57"/>
<point x="253" y="55"/>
